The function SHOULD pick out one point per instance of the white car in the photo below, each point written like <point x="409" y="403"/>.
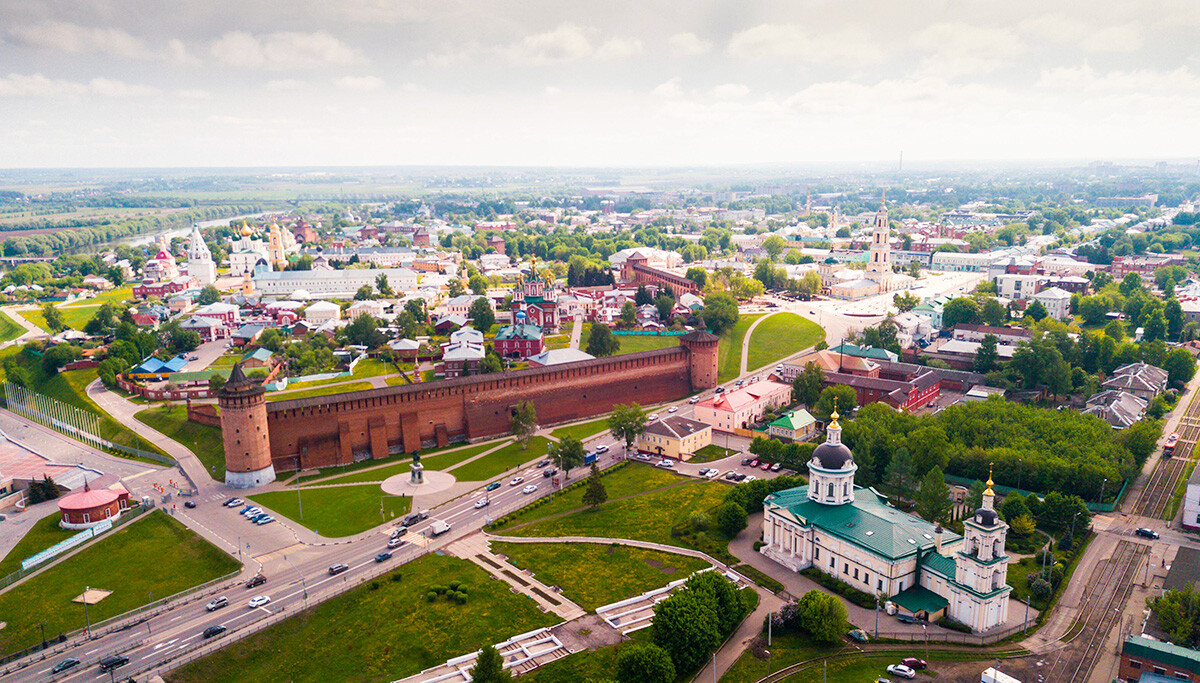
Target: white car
<point x="901" y="671"/>
<point x="712" y="473"/>
<point x="642" y="457"/>
<point x="665" y="464"/>
<point x="258" y="601"/>
<point x="482" y="503"/>
<point x="672" y="409"/>
<point x="694" y="400"/>
<point x="652" y="418"/>
<point x="749" y="479"/>
<point x="516" y="481"/>
<point x="601" y="449"/>
<point x="529" y="489"/>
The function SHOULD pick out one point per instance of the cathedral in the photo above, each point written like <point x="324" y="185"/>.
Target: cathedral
<point x="878" y="278"/>
<point x="856" y="536"/>
<point x="535" y="302"/>
<point x="200" y="263"/>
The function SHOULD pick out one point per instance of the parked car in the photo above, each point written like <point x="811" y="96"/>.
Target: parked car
<point x="858" y="635"/>
<point x="257" y="580"/>
<point x="214" y="631"/>
<point x="1146" y="533"/>
<point x="264" y="520"/>
<point x="719" y="390"/>
<point x="703" y="472"/>
<point x="517" y="481"/>
<point x="493" y="486"/>
<point x="776" y="467"/>
<point x="68" y="663"/>
<point x="652" y="417"/>
<point x="251" y="511"/>
<point x="482" y="503"/>
<point x="740" y="382"/>
<point x="731" y="476"/>
<point x="338" y="568"/>
<point x="739" y="476"/>
<point x="754" y="462"/>
<point x="232" y="502"/>
<point x="112" y="662"/>
<point x="642" y="457"/>
<point x="914" y="663"/>
<point x="383" y="557"/>
<point x="712" y="473"/>
<point x="216" y="604"/>
<point x="601" y="449"/>
<point x="189" y="504"/>
<point x="906" y="619"/>
<point x="395" y="542"/>
<point x="529" y="489"/>
<point x="665" y="464"/>
<point x="901" y="671"/>
<point x="259" y="601"/>
<point x="765" y="467"/>
<point x="749" y="479"/>
<point x="747" y="461"/>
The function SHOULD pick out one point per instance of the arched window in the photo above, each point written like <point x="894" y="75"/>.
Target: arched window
<point x="830" y="495"/>
<point x="846" y="490"/>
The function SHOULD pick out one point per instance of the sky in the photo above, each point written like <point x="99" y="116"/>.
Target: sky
<point x="145" y="83"/>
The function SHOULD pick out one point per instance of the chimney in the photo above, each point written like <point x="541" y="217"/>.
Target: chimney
<point x="937" y="538"/>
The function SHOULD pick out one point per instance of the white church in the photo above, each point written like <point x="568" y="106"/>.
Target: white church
<point x="856" y="536"/>
<point x="878" y="278"/>
<point x="200" y="263"/>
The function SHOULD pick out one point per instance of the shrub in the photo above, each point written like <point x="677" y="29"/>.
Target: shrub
<point x="374" y="585"/>
<point x="841" y="588"/>
<point x="953" y="625"/>
<point x="396" y="577"/>
<point x="698" y="521"/>
<point x="1040" y="588"/>
<point x="431" y="596"/>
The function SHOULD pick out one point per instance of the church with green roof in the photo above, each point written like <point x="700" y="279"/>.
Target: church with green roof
<point x="855" y="535"/>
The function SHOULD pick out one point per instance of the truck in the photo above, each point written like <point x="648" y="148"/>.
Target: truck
<point x="590" y="458"/>
<point x="437" y="527"/>
<point x="992" y="675"/>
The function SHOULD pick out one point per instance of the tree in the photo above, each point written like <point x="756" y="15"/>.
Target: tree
<point x="914" y="268"/>
<point x="846" y="398"/>
<point x="416" y="308"/>
<point x="986" y="356"/>
<point x="1116" y="330"/>
<point x="1022" y="526"/>
<point x="665" y="305"/>
<point x="1174" y="315"/>
<point x="686" y="626"/>
<point x="933" y="500"/>
<point x="698" y="275"/>
<point x="822" y="615"/>
<point x="905" y="301"/>
<point x="806" y="388"/>
<point x="490" y="364"/>
<point x="602" y="342"/>
<point x="1131" y="285"/>
<point x="1180" y="365"/>
<point x="481" y="314"/>
<point x="731" y="519"/>
<point x="642" y="296"/>
<point x="644" y="663"/>
<point x="720" y="312"/>
<point x="993" y="312"/>
<point x="364" y="331"/>
<point x="898" y="473"/>
<point x="975" y="495"/>
<point x="627" y="422"/>
<point x="208" y="295"/>
<point x="628" y="315"/>
<point x="1058" y="377"/>
<point x="1037" y="311"/>
<point x="524" y="423"/>
<point x="595" y="493"/>
<point x="477" y="284"/>
<point x="364" y="293"/>
<point x="54" y="318"/>
<point x="1154" y="324"/>
<point x="454" y="288"/>
<point x="774" y="246"/>
<point x="382" y="284"/>
<point x="489" y="667"/>
<point x="568" y="453"/>
<point x="1013" y="507"/>
<point x="1141" y="438"/>
<point x="960" y="311"/>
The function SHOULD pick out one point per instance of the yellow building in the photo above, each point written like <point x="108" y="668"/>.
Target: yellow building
<point x="674" y="437"/>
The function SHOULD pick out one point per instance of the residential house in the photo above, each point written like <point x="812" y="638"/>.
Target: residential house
<point x="258" y="358"/>
<point x="1140" y="379"/>
<point x="558" y="357"/>
<point x="322" y="311"/>
<point x="1057" y="302"/>
<point x="674" y="437"/>
<point x="1119" y="409"/>
<point x="463" y="353"/>
<point x="794" y="425"/>
<point x="742" y="408"/>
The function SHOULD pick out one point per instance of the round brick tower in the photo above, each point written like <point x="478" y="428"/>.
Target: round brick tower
<point x="702" y="348"/>
<point x="244" y="431"/>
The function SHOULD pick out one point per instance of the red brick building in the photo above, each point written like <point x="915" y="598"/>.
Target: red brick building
<point x="635" y="270"/>
<point x="84" y="508"/>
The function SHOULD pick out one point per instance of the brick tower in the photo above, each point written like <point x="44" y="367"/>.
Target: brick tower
<point x="244" y="431"/>
<point x="702" y="347"/>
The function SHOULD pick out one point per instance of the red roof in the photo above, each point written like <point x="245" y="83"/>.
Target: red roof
<point x="88" y="499"/>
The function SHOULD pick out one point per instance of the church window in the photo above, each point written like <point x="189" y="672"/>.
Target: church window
<point x="879" y="585"/>
<point x="845" y="567"/>
<point x="830" y="494"/>
<point x="816" y="553"/>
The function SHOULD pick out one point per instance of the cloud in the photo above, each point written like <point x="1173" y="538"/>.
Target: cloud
<point x="37" y="85"/>
<point x="958" y="49"/>
<point x="359" y="83"/>
<point x="1062" y="29"/>
<point x="619" y="48"/>
<point x="288" y="50"/>
<point x="445" y="58"/>
<point x="565" y="43"/>
<point x="729" y="91"/>
<point x="1181" y="81"/>
<point x="1123" y="38"/>
<point x="669" y="90"/>
<point x="285" y="85"/>
<point x="177" y="52"/>
<point x="767" y="42"/>
<point x="75" y="39"/>
<point x="688" y="44"/>
<point x="193" y="94"/>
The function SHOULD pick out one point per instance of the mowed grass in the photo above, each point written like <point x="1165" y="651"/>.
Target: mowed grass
<point x="582" y="431"/>
<point x="729" y="352"/>
<point x="71" y="387"/>
<point x="780" y="336"/>
<point x="623" y="480"/>
<point x="9" y="329"/>
<point x="592" y="575"/>
<point x="42" y="534"/>
<point x="337" y="511"/>
<point x="648" y="517"/>
<point x="204" y="441"/>
<point x="585" y="665"/>
<point x="786" y="648"/>
<point x="634" y="343"/>
<point x="378" y="635"/>
<point x="319" y="391"/>
<point x="435" y="461"/>
<point x="711" y="452"/>
<point x="75" y="317"/>
<point x="495" y="464"/>
<point x="154" y="555"/>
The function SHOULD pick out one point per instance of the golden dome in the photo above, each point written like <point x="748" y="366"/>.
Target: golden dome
<point x="990" y="483"/>
<point x="246" y="231"/>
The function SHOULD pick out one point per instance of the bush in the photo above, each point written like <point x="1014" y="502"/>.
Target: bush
<point x="374" y="585"/>
<point x="397" y="576"/>
<point x="1066" y="543"/>
<point x="731" y="518"/>
<point x="953" y="625"/>
<point x="1040" y="588"/>
<point x="698" y="522"/>
<point x="431" y="596"/>
<point x="841" y="588"/>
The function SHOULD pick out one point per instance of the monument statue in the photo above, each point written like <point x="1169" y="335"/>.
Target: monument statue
<point x="416" y="470"/>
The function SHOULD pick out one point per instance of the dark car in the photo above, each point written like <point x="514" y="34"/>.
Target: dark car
<point x="68" y="663"/>
<point x="383" y="557"/>
<point x="543" y="463"/>
<point x="399" y="531"/>
<point x="112" y="662"/>
<point x="214" y="631"/>
<point x="189" y="504"/>
<point x="906" y="619"/>
<point x="258" y="580"/>
<point x="1146" y="533"/>
<point x="740" y="477"/>
<point x="336" y="569"/>
<point x="493" y="486"/>
<point x="747" y="461"/>
<point x="914" y="663"/>
<point x="549" y="473"/>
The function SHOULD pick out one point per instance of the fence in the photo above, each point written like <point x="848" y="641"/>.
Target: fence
<point x="647" y="333"/>
<point x="77" y="423"/>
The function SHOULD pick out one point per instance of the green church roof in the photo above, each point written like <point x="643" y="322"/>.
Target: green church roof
<point x="797" y="419"/>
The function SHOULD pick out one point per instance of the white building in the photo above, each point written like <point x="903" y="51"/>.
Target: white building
<point x="740" y="409"/>
<point x="1057" y="302"/>
<point x="322" y="312"/>
<point x="330" y="283"/>
<point x="369" y="307"/>
<point x="856" y="536"/>
<point x="200" y="263"/>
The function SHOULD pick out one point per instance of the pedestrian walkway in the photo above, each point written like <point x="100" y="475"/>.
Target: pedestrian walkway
<point x="576" y="333"/>
<point x="476" y="548"/>
<point x="521" y="654"/>
<point x="746" y="342"/>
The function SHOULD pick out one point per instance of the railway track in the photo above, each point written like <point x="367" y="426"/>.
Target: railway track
<point x="1111" y="583"/>
<point x="1154" y="500"/>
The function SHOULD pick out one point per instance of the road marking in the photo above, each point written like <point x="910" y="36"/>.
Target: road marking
<point x="165" y="644"/>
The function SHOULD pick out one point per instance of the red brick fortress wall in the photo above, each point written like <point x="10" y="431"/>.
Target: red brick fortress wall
<point x="328" y="430"/>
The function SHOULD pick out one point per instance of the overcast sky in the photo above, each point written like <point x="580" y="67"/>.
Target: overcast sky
<point x="562" y="82"/>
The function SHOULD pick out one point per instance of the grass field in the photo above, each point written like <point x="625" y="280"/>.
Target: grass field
<point x="9" y="329"/>
<point x="583" y="430"/>
<point x="712" y="452"/>
<point x="74" y="316"/>
<point x="729" y="353"/>
<point x="585" y="665"/>
<point x="592" y="575"/>
<point x="319" y="391"/>
<point x="379" y="634"/>
<point x="786" y="648"/>
<point x="495" y="464"/>
<point x="44" y="533"/>
<point x="338" y="511"/>
<point x="627" y="480"/>
<point x="71" y="387"/>
<point x="434" y="461"/>
<point x="204" y="441"/>
<point x="635" y="343"/>
<point x="148" y="558"/>
<point x="780" y="336"/>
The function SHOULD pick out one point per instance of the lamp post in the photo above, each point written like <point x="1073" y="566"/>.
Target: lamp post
<point x="303" y="584"/>
<point x="1102" y="485"/>
<point x="768" y="662"/>
<point x="1020" y="471"/>
<point x="43" y="627"/>
<point x="877" y="616"/>
<point x="86" y="618"/>
<point x="299" y="505"/>
<point x="1073" y="518"/>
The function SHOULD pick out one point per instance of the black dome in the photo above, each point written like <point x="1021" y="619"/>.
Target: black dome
<point x="985" y="517"/>
<point x="833" y="456"/>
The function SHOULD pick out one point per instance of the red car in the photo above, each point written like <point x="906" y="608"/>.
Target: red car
<point x="914" y="663"/>
<point x="766" y="466"/>
<point x="754" y="462"/>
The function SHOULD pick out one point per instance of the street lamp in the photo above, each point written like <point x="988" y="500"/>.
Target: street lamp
<point x="303" y="584"/>
<point x="1102" y="485"/>
<point x="768" y="662"/>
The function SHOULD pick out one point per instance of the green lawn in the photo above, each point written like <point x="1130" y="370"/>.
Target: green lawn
<point x="586" y="665"/>
<point x="712" y="452"/>
<point x="786" y="649"/>
<point x="74" y="316"/>
<point x="337" y="511"/>
<point x="44" y="533"/>
<point x="582" y="431"/>
<point x="204" y="441"/>
<point x="869" y="666"/>
<point x="779" y="336"/>
<point x="378" y="634"/>
<point x="9" y="329"/>
<point x="729" y="353"/>
<point x="631" y="343"/>
<point x="156" y="556"/>
<point x="495" y="464"/>
<point x="71" y="387"/>
<point x="592" y="575"/>
<point x="623" y="480"/>
<point x="432" y="461"/>
<point x="319" y="391"/>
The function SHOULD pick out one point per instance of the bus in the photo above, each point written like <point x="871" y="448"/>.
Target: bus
<point x="1169" y="446"/>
